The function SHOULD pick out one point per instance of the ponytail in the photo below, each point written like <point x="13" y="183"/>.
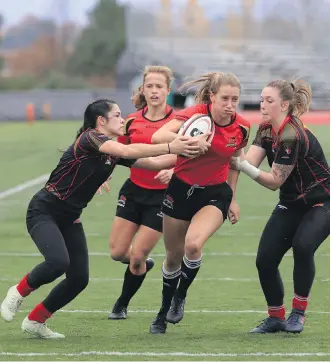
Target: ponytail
<point x="138" y="98"/>
<point x="210" y="83"/>
<point x="302" y="97"/>
<point x="298" y="93"/>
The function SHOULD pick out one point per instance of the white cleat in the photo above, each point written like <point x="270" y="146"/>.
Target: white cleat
<point x="11" y="304"/>
<point x="39" y="330"/>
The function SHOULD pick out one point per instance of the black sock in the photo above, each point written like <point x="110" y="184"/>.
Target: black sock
<point x="189" y="270"/>
<point x="170" y="282"/>
<point x="131" y="284"/>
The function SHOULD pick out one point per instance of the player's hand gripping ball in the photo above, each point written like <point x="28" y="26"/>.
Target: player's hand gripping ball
<point x="197" y="125"/>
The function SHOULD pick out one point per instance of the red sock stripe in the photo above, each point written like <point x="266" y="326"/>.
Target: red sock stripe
<point x="277" y="311"/>
<point x="39" y="314"/>
<point x="23" y="287"/>
<point x="299" y="302"/>
<point x="301" y="298"/>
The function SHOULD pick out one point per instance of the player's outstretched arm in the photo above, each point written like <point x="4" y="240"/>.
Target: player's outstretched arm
<point x="156" y="163"/>
<point x="179" y="145"/>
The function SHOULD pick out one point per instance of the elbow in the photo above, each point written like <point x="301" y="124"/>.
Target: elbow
<point x="273" y="187"/>
<point x="156" y="138"/>
<point x="153" y="166"/>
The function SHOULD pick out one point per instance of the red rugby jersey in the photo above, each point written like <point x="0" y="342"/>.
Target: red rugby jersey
<point x="139" y="129"/>
<point x="213" y="167"/>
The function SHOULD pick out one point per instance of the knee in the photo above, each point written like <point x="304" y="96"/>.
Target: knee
<point x="82" y="281"/>
<point x="192" y="246"/>
<point x="302" y="251"/>
<point x="79" y="281"/>
<point x="59" y="265"/>
<point x="137" y="260"/>
<point x="264" y="263"/>
<point x="117" y="254"/>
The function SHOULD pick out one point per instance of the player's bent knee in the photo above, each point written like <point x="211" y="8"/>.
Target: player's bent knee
<point x="137" y="263"/>
<point x="118" y="254"/>
<point x="82" y="280"/>
<point x="79" y="281"/>
<point x="193" y="245"/>
<point x="302" y="251"/>
<point x="192" y="249"/>
<point x="265" y="264"/>
<point x="139" y="254"/>
<point x="58" y="266"/>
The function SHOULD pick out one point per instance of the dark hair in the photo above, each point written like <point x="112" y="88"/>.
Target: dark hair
<point x="94" y="110"/>
<point x="298" y="93"/>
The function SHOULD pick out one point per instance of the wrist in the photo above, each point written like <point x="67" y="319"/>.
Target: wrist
<point x="250" y="170"/>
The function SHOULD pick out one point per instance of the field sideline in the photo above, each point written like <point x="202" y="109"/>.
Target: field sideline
<point x="223" y="304"/>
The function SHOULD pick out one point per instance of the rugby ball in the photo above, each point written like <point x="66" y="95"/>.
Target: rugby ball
<point x="198" y="124"/>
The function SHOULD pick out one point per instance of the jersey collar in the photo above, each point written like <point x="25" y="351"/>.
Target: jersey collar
<point x="168" y="112"/>
<point x="233" y="117"/>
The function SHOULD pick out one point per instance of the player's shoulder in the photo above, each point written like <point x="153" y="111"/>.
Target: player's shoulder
<point x="134" y="115"/>
<point x="290" y="129"/>
<point x="94" y="133"/>
<point x="88" y="133"/>
<point x="130" y="119"/>
<point x="91" y="139"/>
<point x="195" y="109"/>
<point x="169" y="113"/>
<point x="241" y="121"/>
<point x="264" y="126"/>
<point x="201" y="108"/>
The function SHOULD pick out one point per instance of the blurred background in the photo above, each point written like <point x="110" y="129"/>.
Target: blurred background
<point x="58" y="55"/>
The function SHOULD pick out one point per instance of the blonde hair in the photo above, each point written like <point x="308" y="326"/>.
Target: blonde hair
<point x="138" y="98"/>
<point x="211" y="83"/>
<point x="298" y="93"/>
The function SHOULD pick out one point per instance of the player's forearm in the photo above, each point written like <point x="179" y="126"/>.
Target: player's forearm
<point x="163" y="136"/>
<point x="263" y="178"/>
<point x="139" y="150"/>
<point x="233" y="180"/>
<point x="267" y="180"/>
<point x="156" y="163"/>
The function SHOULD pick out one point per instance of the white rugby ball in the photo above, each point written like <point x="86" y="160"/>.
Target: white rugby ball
<point x="198" y="124"/>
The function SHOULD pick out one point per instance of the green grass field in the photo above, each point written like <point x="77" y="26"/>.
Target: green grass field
<point x="223" y="304"/>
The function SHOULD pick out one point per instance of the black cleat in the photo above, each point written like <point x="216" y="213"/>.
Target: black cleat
<point x="118" y="312"/>
<point x="176" y="311"/>
<point x="159" y="325"/>
<point x="270" y="325"/>
<point x="149" y="264"/>
<point x="295" y="321"/>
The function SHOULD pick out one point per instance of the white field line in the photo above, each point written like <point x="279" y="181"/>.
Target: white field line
<point x="165" y="354"/>
<point x="23" y="186"/>
<point x="209" y="311"/>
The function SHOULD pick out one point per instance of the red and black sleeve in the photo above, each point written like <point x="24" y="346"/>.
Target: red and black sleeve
<point x="287" y="149"/>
